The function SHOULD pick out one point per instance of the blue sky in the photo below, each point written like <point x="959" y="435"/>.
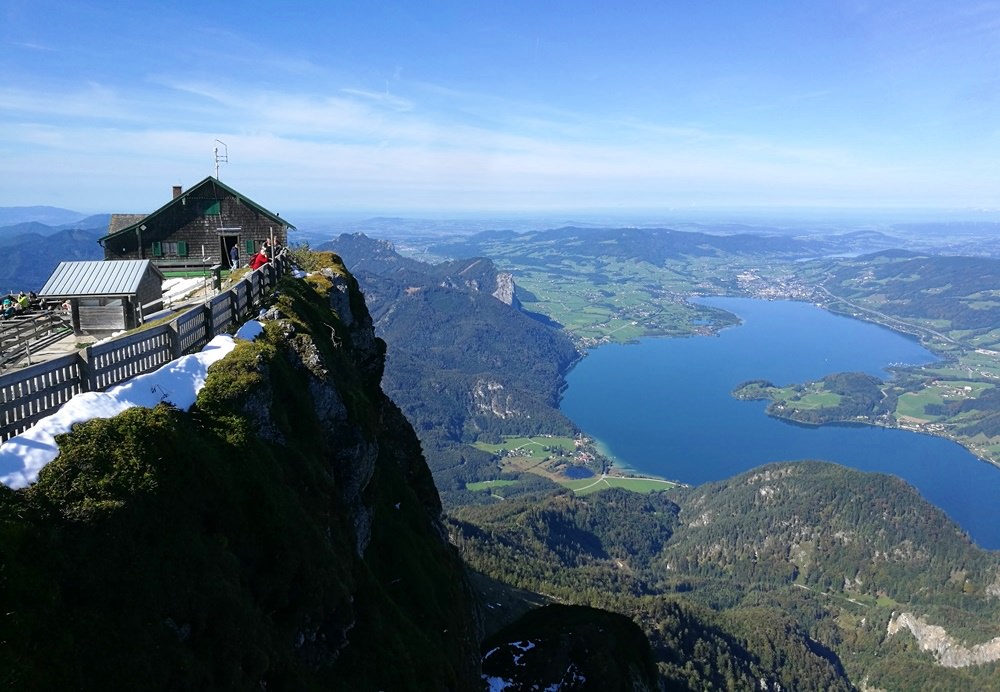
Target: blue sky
<point x="461" y="107"/>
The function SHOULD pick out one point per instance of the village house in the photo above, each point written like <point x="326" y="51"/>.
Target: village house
<point x="197" y="228"/>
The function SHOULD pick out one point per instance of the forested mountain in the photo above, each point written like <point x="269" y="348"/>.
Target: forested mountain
<point x="464" y="364"/>
<point x="363" y="254"/>
<point x="789" y="573"/>
<point x="704" y="240"/>
<point x="954" y="292"/>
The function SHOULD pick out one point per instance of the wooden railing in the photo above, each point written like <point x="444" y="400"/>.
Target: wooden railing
<point x="30" y="394"/>
<point x="23" y="336"/>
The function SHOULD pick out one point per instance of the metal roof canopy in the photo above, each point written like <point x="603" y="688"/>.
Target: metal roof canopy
<point x="97" y="278"/>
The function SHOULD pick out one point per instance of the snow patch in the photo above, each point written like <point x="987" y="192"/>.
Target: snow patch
<point x="496" y="684"/>
<point x="177" y="383"/>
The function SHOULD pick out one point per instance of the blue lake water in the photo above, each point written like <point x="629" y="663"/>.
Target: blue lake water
<point x="664" y="406"/>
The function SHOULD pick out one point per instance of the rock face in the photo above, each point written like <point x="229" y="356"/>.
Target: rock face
<point x="505" y="289"/>
<point x="283" y="534"/>
<point x="946" y="649"/>
<point x="489" y="397"/>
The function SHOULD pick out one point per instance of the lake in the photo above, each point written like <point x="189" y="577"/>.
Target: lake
<point x="663" y="406"/>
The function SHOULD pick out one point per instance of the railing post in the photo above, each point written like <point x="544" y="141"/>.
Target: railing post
<point x="175" y="339"/>
<point x="234" y="317"/>
<point x="88" y="382"/>
<point x="206" y="314"/>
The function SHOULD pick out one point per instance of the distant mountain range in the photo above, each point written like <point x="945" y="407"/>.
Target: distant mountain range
<point x="49" y="216"/>
<point x="33" y="248"/>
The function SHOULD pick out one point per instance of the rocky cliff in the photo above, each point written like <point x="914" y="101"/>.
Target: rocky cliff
<point x="946" y="649"/>
<point x="282" y="534"/>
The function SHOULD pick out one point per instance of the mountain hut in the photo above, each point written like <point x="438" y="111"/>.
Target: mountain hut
<point x="195" y="230"/>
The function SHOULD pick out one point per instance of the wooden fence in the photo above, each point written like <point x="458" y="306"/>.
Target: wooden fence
<point x="30" y="394"/>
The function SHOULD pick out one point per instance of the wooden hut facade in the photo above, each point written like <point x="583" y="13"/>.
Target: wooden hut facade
<point x="105" y="297"/>
<point x="196" y="229"/>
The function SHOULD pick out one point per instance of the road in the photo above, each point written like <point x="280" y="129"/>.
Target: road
<point x="890" y="321"/>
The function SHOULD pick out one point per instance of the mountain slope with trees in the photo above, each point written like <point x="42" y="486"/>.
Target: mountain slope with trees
<point x="463" y="364"/>
<point x="790" y="572"/>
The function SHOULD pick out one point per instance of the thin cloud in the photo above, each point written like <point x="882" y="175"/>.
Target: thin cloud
<point x="385" y="99"/>
<point x="93" y="101"/>
<point x="34" y="46"/>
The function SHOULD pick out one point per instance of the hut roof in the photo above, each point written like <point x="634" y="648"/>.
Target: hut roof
<point x="98" y="278"/>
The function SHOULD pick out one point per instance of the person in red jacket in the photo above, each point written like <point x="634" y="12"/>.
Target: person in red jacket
<point x="258" y="260"/>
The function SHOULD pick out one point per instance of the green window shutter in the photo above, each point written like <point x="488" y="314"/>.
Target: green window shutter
<point x="213" y="208"/>
<point x="250" y="248"/>
<point x="157" y="249"/>
<point x="182" y="248"/>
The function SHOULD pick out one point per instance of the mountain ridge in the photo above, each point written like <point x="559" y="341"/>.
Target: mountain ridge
<point x="47" y="215"/>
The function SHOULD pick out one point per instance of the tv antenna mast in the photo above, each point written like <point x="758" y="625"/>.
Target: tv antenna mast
<point x="222" y="157"/>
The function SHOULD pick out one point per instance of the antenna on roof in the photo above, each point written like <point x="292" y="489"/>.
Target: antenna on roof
<point x="220" y="158"/>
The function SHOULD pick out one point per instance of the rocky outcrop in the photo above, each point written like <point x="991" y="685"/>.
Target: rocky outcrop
<point x="490" y="397"/>
<point x="505" y="289"/>
<point x="948" y="652"/>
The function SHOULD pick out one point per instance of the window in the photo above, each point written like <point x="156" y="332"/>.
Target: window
<point x="212" y="207"/>
<point x="167" y="248"/>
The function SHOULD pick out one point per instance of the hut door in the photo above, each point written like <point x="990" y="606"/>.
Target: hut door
<point x="228" y="243"/>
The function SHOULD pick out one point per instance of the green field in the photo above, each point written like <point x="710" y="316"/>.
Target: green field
<point x="488" y="485"/>
<point x="911" y="404"/>
<point x="531" y="447"/>
<point x="639" y="485"/>
<point x="813" y="397"/>
<point x="547" y="456"/>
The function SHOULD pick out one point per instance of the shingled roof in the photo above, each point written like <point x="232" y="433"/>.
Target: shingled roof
<point x="121" y="221"/>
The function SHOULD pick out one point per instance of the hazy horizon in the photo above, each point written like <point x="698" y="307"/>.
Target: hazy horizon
<point x="845" y="218"/>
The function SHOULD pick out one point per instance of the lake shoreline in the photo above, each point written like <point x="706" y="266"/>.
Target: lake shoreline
<point x="674" y="417"/>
